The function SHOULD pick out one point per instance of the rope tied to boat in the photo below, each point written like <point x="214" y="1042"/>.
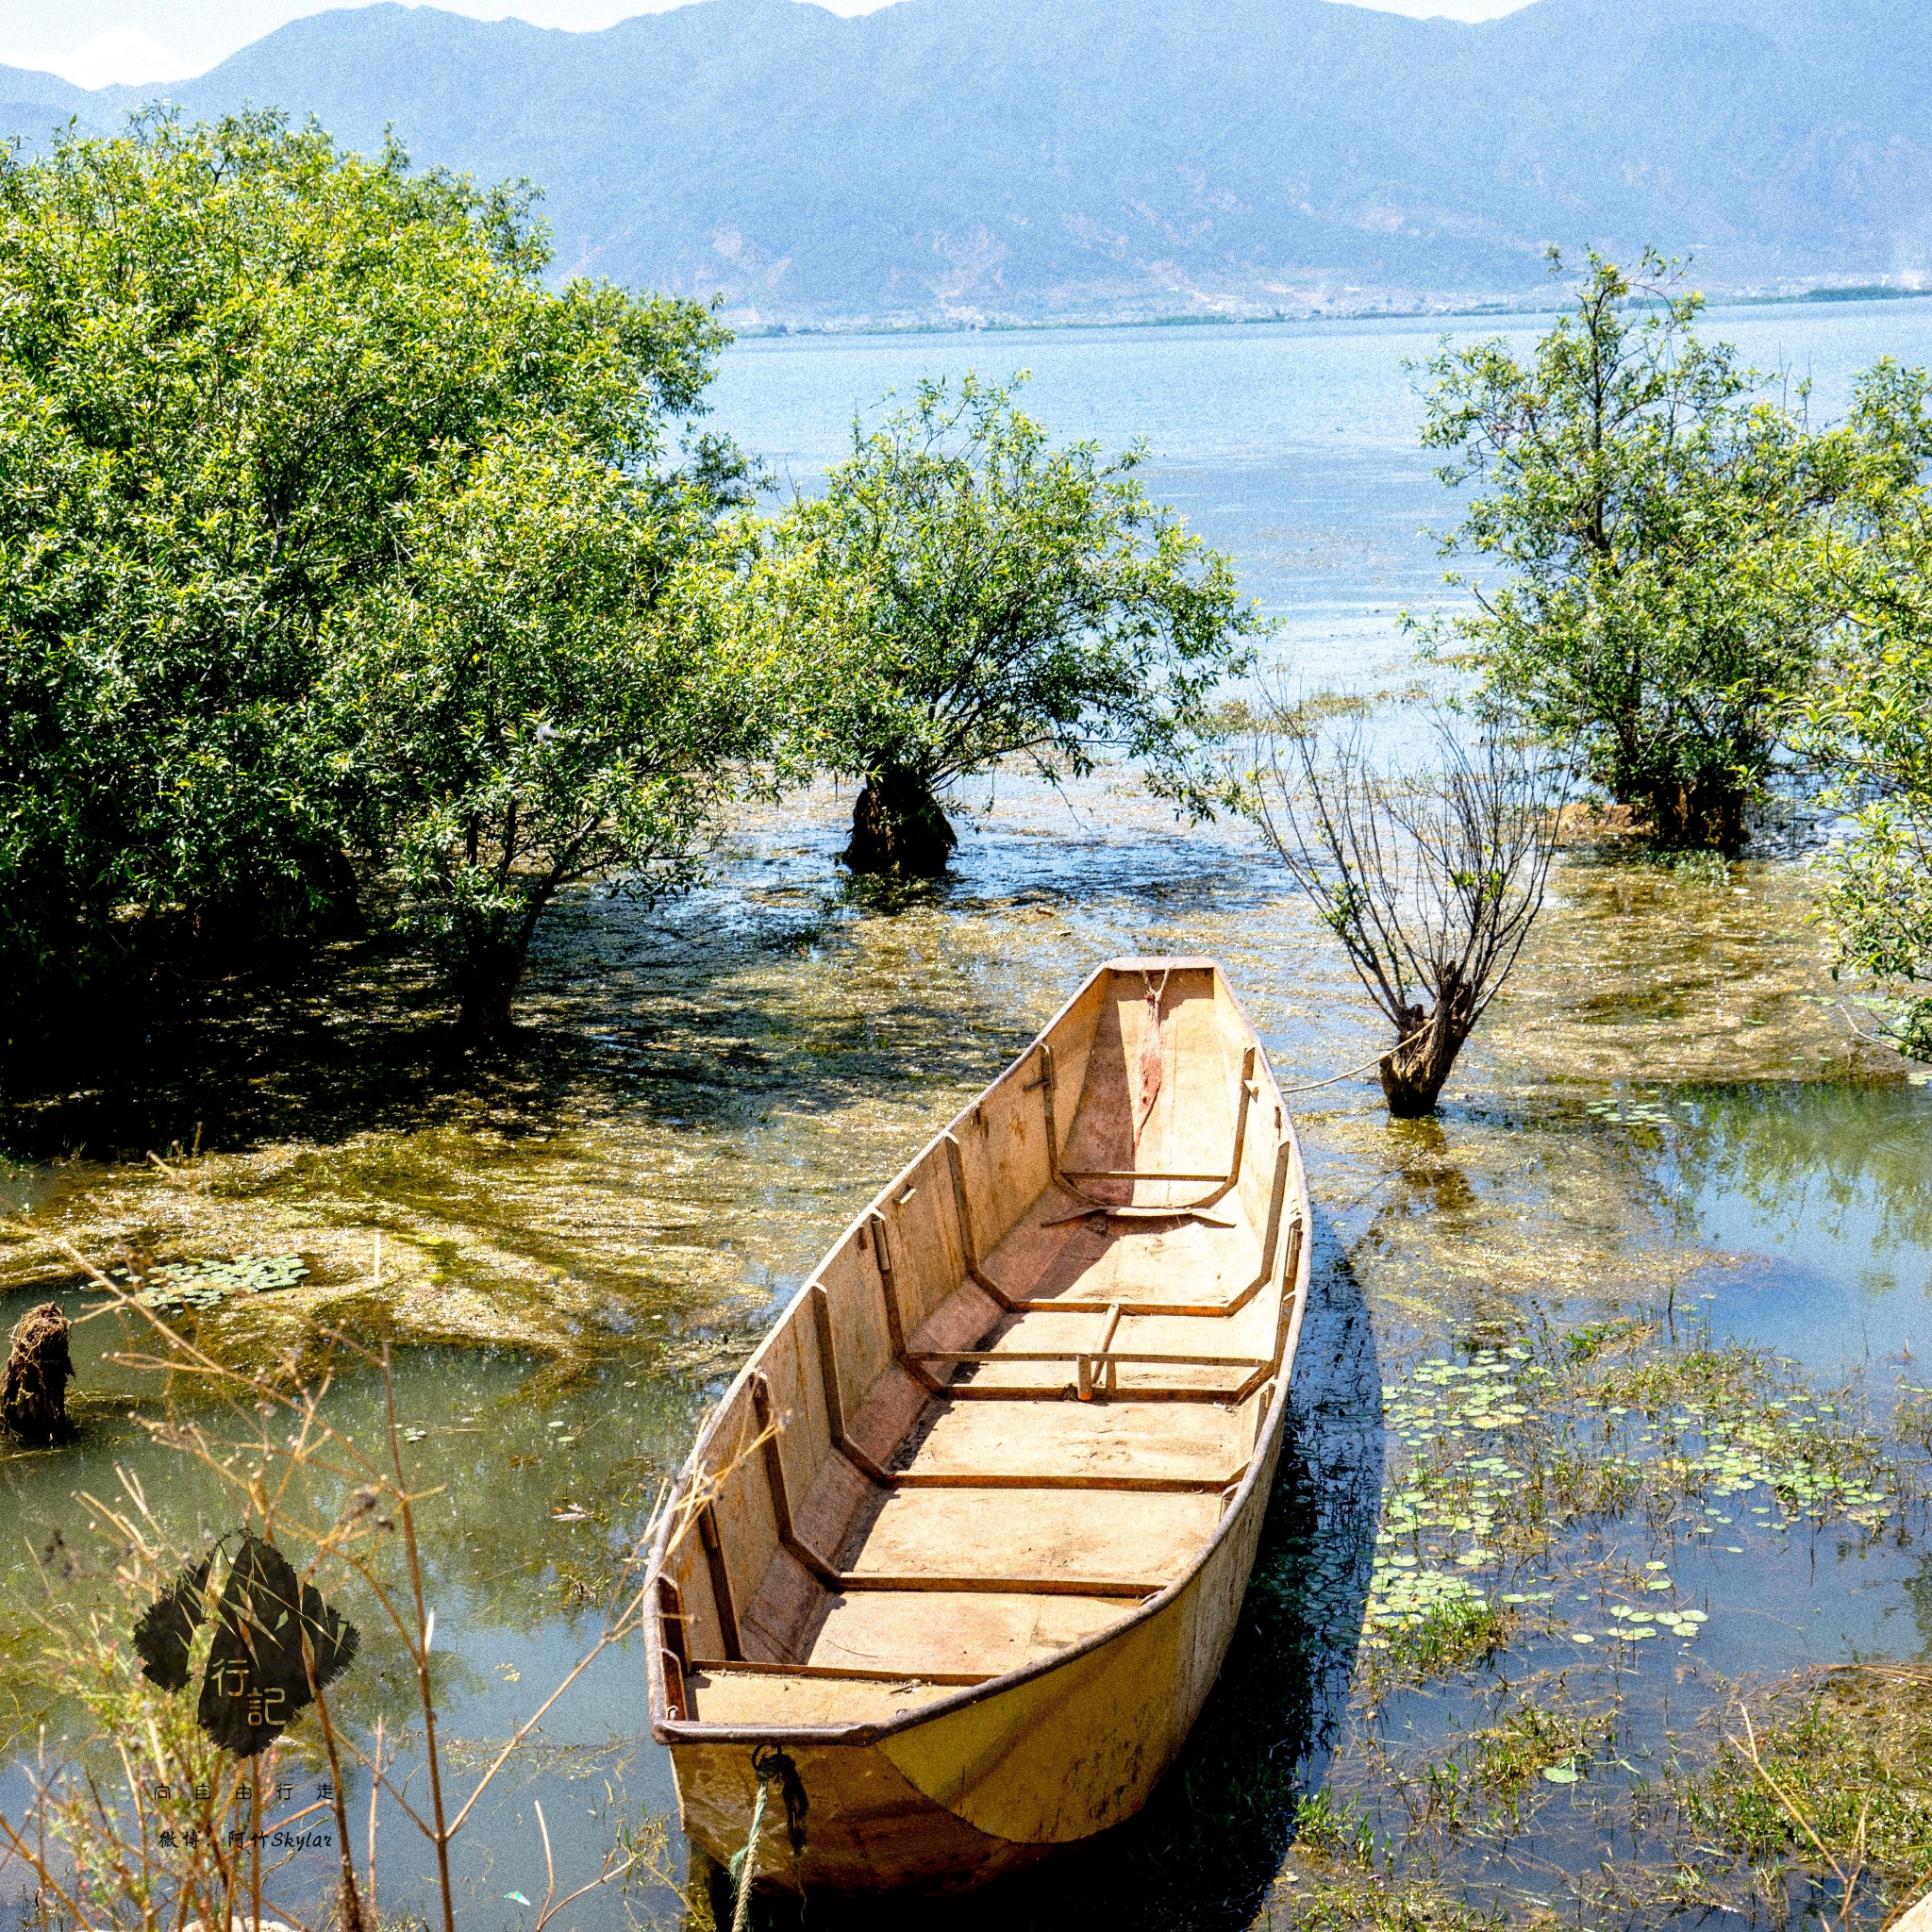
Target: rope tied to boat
<point x="1309" y="1085"/>
<point x="769" y="1766"/>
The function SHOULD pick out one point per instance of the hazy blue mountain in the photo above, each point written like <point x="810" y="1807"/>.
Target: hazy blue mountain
<point x="1038" y="157"/>
<point x="31" y="103"/>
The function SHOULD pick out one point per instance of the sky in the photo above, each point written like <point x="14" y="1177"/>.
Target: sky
<point x="95" y="42"/>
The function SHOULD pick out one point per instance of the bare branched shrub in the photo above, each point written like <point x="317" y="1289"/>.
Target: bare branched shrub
<point x="1430" y="879"/>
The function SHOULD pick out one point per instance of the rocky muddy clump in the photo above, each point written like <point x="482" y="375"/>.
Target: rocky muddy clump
<point x="33" y="1399"/>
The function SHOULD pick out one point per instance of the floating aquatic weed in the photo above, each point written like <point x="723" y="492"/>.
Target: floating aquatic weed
<point x="1594" y="1338"/>
<point x="1724" y="1421"/>
<point x="1633" y="1113"/>
<point x="1400" y="1596"/>
<point x="1592" y="1439"/>
<point x="175" y="1285"/>
<point x="1419" y="1622"/>
<point x="1686" y="1624"/>
<point x="697" y="1357"/>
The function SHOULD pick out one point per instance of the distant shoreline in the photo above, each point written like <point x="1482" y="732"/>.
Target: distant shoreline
<point x="775" y="331"/>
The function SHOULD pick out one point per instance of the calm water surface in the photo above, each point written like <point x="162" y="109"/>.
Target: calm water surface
<point x="706" y="1094"/>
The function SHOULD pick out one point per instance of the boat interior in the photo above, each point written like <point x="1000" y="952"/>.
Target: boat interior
<point x="1018" y="1396"/>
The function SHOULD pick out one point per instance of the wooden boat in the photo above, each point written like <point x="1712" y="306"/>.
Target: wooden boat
<point x="967" y="1538"/>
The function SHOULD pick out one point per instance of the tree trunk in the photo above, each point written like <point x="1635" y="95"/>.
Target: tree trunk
<point x="486" y="983"/>
<point x="1413" y="1075"/>
<point x="1704" y="813"/>
<point x="33" y="1400"/>
<point x="898" y="828"/>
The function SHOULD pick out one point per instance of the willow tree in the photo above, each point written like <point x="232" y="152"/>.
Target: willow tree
<point x="980" y="595"/>
<point x="1645" y="507"/>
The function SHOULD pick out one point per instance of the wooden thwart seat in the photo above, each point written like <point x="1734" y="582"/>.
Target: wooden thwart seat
<point x="1029" y="1302"/>
<point x="930" y="1637"/>
<point x="846" y="1581"/>
<point x="1059" y="1534"/>
<point x="750" y="1666"/>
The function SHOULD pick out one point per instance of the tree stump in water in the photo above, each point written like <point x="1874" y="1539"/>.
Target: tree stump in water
<point x="899" y="829"/>
<point x="1413" y="1073"/>
<point x="33" y="1400"/>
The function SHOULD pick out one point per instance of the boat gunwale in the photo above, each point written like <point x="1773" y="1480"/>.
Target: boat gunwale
<point x="666" y="1729"/>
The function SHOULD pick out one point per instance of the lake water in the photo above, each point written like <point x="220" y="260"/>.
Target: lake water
<point x="706" y="1095"/>
<point x="1292" y="446"/>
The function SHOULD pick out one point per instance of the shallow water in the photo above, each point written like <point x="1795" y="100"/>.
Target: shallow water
<point x="589" y="1234"/>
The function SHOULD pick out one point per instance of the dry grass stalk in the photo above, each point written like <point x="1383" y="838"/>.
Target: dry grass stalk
<point x="91" y="1841"/>
<point x="1847" y="1876"/>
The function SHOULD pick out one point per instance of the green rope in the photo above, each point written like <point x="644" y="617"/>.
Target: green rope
<point x="745" y="1866"/>
<point x="769" y="1766"/>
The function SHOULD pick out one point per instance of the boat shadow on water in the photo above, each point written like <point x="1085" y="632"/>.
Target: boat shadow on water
<point x="1203" y="1853"/>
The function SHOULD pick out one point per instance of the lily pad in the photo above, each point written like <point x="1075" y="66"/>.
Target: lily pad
<point x="175" y="1285"/>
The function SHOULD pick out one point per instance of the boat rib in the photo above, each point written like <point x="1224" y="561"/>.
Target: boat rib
<point x="967" y="1538"/>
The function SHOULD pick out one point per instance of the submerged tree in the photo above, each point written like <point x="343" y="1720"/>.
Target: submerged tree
<point x="1650" y="510"/>
<point x="227" y="356"/>
<point x="558" y="685"/>
<point x="979" y="595"/>
<point x="1431" y="880"/>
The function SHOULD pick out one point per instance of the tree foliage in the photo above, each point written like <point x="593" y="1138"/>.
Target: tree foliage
<point x="1868" y="718"/>
<point x="561" y="682"/>
<point x="978" y="595"/>
<point x="233" y="363"/>
<point x="1650" y="510"/>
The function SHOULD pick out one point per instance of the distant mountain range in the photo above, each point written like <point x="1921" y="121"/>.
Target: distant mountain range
<point x="1030" y="158"/>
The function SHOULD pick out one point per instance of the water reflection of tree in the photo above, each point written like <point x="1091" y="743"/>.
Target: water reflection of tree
<point x="1812" y="1155"/>
<point x="1433" y="1185"/>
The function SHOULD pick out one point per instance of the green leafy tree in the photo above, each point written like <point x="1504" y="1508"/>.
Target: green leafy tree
<point x="227" y="356"/>
<point x="978" y="595"/>
<point x="1651" y="511"/>
<point x="1868" y="716"/>
<point x="562" y="683"/>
